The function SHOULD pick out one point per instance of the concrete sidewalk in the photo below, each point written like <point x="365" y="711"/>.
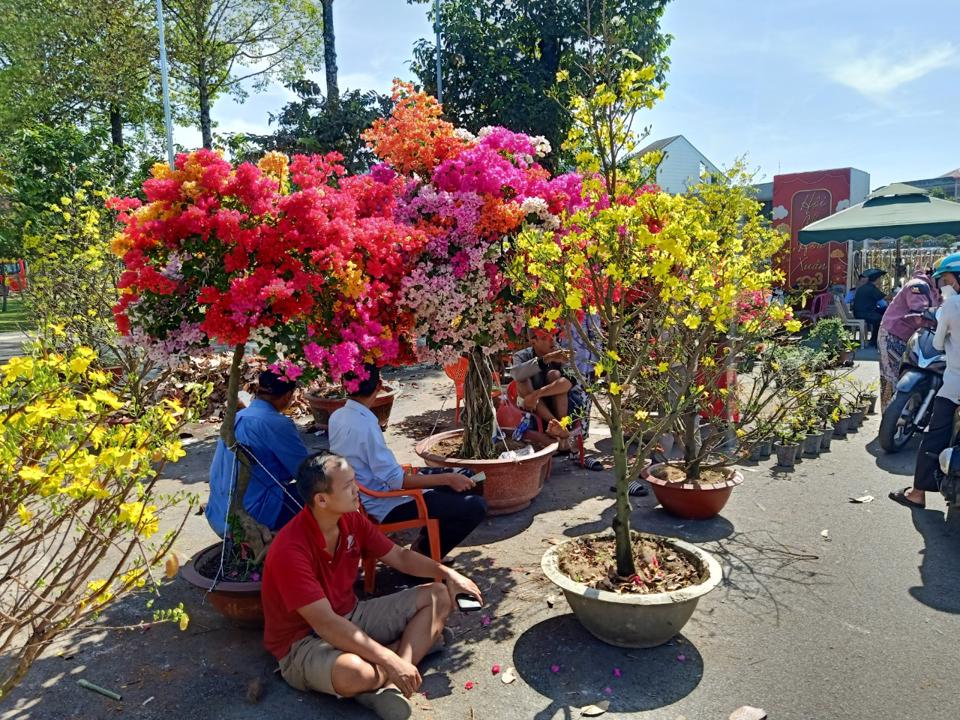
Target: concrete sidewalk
<point x="861" y="623"/>
<point x="11" y="344"/>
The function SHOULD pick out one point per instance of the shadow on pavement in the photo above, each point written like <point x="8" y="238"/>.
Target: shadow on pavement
<point x="901" y="463"/>
<point x="940" y="567"/>
<point x="585" y="670"/>
<point x="649" y="518"/>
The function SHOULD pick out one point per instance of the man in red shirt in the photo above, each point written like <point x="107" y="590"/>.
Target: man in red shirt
<point x="325" y="639"/>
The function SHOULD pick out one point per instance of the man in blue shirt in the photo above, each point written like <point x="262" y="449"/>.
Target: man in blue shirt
<point x="277" y="451"/>
<point x="355" y="434"/>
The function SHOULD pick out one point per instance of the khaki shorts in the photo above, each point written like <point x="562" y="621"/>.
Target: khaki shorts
<point x="309" y="664"/>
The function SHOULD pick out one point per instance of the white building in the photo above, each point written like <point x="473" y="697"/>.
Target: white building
<point x="682" y="165"/>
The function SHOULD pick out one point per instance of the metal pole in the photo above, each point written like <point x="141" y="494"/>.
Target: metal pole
<point x="165" y="84"/>
<point x="436" y="9"/>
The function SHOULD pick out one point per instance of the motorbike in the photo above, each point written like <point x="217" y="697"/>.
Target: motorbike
<point x="921" y="376"/>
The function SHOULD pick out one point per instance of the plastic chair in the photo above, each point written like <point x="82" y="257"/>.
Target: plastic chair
<point x="855" y="323"/>
<point x="819" y="308"/>
<point x="577" y="428"/>
<point x="458" y="373"/>
<point x="423" y="520"/>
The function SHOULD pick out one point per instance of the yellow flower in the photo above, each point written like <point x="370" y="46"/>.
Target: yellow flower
<point x="184" y="622"/>
<point x="107" y="398"/>
<point x="615" y="388"/>
<point x="172" y="566"/>
<point x="140" y="517"/>
<point x="25" y="514"/>
<point x="31" y="473"/>
<point x="663" y="367"/>
<point x="692" y="321"/>
<point x="792" y="326"/>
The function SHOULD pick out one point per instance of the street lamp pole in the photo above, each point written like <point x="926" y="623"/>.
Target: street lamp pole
<point x="165" y="84"/>
<point x="436" y="8"/>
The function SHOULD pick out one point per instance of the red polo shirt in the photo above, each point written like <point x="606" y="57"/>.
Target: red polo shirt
<point x="300" y="570"/>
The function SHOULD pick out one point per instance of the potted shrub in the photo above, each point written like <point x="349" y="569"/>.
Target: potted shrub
<point x="831" y="337"/>
<point x="664" y="342"/>
<point x="787" y="445"/>
<point x="469" y="194"/>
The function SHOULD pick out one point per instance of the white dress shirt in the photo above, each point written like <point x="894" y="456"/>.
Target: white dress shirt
<point x="947" y="339"/>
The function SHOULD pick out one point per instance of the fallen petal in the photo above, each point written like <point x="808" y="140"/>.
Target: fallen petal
<point x="681" y="658"/>
<point x="593" y="710"/>
<point x="508" y="676"/>
<point x="608" y="690"/>
<point x="495" y="669"/>
<point x="748" y="713"/>
<point x="554" y="668"/>
<point x="469" y="685"/>
<point x="617" y="672"/>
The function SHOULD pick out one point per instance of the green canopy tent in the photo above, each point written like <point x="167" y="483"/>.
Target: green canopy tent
<point x="894" y="211"/>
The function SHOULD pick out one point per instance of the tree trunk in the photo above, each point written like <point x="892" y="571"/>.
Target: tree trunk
<point x="116" y="127"/>
<point x="330" y="54"/>
<point x="206" y="131"/>
<point x="257" y="536"/>
<point x="477" y="410"/>
<point x="3" y="286"/>
<point x="626" y="566"/>
<point x="692" y="444"/>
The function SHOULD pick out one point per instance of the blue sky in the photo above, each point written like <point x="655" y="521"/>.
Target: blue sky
<point x="794" y="85"/>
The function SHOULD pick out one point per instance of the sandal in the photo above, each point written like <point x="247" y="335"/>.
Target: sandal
<point x="900" y="496"/>
<point x="634" y="489"/>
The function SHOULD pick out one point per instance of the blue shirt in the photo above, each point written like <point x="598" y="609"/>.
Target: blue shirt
<point x="355" y="434"/>
<point x="273" y="438"/>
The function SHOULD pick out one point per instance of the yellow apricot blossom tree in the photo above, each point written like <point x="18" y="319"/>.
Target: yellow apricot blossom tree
<point x="80" y="510"/>
<point x="677" y="283"/>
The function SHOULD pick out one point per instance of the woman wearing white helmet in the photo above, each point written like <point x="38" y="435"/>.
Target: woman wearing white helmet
<point x="947" y="339"/>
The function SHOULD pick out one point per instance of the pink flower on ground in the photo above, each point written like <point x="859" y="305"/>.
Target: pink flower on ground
<point x="469" y="685"/>
<point x="485" y="620"/>
<point x="608" y="690"/>
<point x="681" y="658"/>
<point x="495" y="669"/>
<point x="554" y="668"/>
<point x="617" y="672"/>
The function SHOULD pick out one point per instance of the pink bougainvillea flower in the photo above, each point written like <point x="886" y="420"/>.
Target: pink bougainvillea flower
<point x="495" y="669"/>
<point x="617" y="672"/>
<point x="469" y="685"/>
<point x="485" y="620"/>
<point x="554" y="668"/>
<point x="608" y="690"/>
<point x="681" y="658"/>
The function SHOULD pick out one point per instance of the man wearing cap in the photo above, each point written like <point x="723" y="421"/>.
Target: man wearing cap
<point x="274" y="443"/>
<point x="869" y="302"/>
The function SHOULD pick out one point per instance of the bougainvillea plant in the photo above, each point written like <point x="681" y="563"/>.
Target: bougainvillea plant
<point x="294" y="258"/>
<point x="469" y="195"/>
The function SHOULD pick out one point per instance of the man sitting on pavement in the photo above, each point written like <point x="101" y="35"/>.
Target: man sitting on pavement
<point x="274" y="442"/>
<point x="325" y="639"/>
<point x="356" y="435"/>
<point x="548" y="389"/>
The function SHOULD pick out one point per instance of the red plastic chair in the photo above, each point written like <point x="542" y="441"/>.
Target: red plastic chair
<point x="577" y="429"/>
<point x="458" y="373"/>
<point x="421" y="521"/>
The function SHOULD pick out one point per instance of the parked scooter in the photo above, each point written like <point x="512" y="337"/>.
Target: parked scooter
<point x="921" y="376"/>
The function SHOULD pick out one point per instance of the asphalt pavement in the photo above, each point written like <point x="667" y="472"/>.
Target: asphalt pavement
<point x="829" y="609"/>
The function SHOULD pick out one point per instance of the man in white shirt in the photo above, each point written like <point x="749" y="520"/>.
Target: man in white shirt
<point x="940" y="428"/>
<point x="356" y="435"/>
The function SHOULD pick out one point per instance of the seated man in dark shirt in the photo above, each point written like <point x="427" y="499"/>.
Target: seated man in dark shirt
<point x="325" y="639"/>
<point x="546" y="387"/>
<point x="869" y="302"/>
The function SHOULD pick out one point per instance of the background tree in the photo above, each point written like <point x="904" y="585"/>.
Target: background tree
<point x="92" y="63"/>
<point x="313" y="124"/>
<point x="501" y="58"/>
<point x="216" y="46"/>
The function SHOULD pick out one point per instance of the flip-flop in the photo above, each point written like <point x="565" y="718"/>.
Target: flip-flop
<point x="634" y="489"/>
<point x="900" y="496"/>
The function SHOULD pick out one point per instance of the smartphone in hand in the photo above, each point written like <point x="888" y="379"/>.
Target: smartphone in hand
<point x="467" y="603"/>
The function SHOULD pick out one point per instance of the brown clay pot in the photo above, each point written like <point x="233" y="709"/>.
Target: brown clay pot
<point x="236" y="601"/>
<point x="689" y="500"/>
<point x="511" y="485"/>
<point x="322" y="406"/>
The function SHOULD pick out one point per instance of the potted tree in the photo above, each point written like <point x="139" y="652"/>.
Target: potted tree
<point x="469" y="195"/>
<point x="309" y="278"/>
<point x="663" y="275"/>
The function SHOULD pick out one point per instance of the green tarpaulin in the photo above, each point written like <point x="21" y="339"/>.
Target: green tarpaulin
<point x="893" y="211"/>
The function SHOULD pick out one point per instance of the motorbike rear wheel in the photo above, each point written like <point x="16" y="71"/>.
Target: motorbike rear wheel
<point x="898" y="423"/>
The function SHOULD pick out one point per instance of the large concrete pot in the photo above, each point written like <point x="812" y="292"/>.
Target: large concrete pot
<point x="322" y="407"/>
<point x="510" y="486"/>
<point x="690" y="500"/>
<point x="237" y="601"/>
<point x="633" y="620"/>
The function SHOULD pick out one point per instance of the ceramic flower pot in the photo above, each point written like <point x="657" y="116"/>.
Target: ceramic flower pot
<point x="811" y="445"/>
<point x="842" y="427"/>
<point x="634" y="620"/>
<point x="236" y="601"/>
<point x="511" y="485"/>
<point x="322" y="406"/>
<point x="826" y="438"/>
<point x="691" y="500"/>
<point x="786" y="454"/>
